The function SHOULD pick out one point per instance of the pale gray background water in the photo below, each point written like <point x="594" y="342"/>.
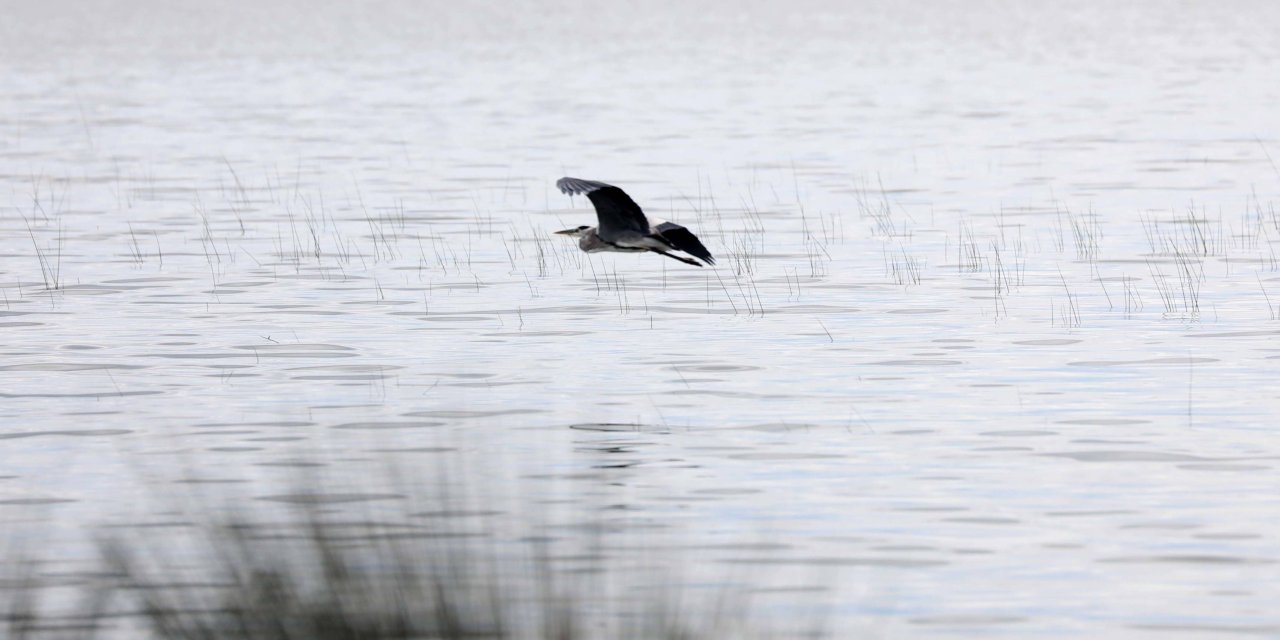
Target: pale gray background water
<point x="990" y="348"/>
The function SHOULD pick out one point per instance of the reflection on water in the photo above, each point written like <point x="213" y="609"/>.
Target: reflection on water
<point x="986" y="352"/>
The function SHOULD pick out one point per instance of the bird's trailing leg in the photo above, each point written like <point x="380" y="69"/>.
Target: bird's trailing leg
<point x="676" y="257"/>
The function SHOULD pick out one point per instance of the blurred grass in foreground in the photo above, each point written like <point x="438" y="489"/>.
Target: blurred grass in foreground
<point x="310" y="571"/>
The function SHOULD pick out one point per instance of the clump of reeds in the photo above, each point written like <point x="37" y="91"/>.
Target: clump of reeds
<point x="903" y="267"/>
<point x="317" y="581"/>
<point x="314" y="575"/>
<point x="1066" y="314"/>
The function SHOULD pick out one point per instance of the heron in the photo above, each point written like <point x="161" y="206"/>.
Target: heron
<point x="623" y="226"/>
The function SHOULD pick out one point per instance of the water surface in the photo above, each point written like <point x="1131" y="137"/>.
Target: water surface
<point x="986" y="351"/>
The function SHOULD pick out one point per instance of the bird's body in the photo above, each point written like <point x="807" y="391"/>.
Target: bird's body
<point x="623" y="227"/>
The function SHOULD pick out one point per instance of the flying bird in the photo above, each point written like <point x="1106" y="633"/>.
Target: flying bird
<point x="623" y="226"/>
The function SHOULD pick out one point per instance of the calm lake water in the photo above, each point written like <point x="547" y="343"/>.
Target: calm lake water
<point x="988" y="349"/>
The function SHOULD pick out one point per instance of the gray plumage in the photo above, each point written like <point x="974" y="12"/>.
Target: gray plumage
<point x="622" y="225"/>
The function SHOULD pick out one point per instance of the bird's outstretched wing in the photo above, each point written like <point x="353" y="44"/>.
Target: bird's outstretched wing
<point x="615" y="210"/>
<point x="683" y="239"/>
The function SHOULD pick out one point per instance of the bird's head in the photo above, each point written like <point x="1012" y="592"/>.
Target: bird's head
<point x="576" y="232"/>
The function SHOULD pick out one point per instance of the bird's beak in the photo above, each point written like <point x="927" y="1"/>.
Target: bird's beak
<point x="567" y="232"/>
